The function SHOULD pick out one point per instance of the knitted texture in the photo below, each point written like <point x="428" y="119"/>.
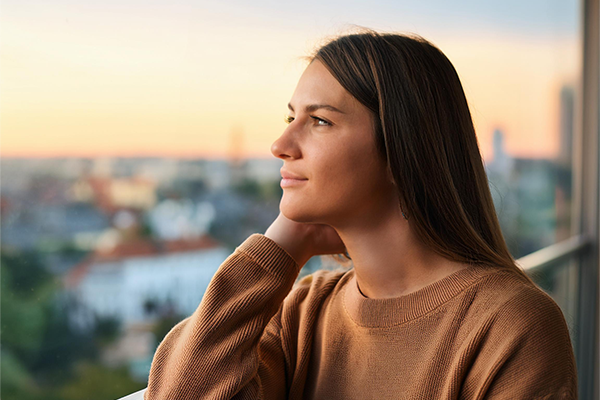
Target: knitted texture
<point x="479" y="333"/>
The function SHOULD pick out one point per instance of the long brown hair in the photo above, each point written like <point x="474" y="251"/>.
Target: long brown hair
<point x="423" y="128"/>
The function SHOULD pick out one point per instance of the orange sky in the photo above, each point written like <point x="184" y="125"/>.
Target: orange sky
<point x="177" y="89"/>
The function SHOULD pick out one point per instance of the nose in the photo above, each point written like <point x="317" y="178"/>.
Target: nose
<point x="286" y="145"/>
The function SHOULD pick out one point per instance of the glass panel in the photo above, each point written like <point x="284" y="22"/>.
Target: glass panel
<point x="561" y="281"/>
<point x="136" y="156"/>
<point x="532" y="191"/>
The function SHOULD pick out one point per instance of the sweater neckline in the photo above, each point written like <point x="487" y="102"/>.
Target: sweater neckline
<point x="381" y="313"/>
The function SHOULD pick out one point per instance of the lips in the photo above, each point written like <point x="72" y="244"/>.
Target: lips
<point x="289" y="175"/>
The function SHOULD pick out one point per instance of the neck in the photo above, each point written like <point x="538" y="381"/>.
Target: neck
<point x="389" y="261"/>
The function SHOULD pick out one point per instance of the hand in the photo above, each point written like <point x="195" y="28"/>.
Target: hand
<point x="302" y="241"/>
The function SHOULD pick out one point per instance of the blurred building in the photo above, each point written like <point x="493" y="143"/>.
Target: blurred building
<point x="110" y="194"/>
<point x="524" y="195"/>
<point x="134" y="279"/>
<point x="29" y="225"/>
<point x="181" y="219"/>
<point x="566" y="124"/>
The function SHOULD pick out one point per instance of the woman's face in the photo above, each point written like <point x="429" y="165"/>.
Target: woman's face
<point x="329" y="142"/>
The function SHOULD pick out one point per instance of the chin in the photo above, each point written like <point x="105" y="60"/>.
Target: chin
<point x="297" y="215"/>
<point x="301" y="212"/>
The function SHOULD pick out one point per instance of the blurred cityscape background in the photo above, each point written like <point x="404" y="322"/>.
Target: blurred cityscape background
<point x="136" y="156"/>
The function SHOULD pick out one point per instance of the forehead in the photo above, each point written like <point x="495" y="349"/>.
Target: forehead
<point x="318" y="85"/>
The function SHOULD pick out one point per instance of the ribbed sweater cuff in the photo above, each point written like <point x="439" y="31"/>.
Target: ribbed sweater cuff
<point x="270" y="255"/>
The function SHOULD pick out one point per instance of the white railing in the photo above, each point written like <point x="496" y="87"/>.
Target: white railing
<point x="139" y="395"/>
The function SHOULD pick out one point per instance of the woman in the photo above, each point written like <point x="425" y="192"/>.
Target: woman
<point x="380" y="162"/>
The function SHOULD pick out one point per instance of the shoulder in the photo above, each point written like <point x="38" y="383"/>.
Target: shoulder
<point x="319" y="278"/>
<point x="317" y="284"/>
<point x="525" y="346"/>
<point x="310" y="292"/>
<point x="519" y="304"/>
<point x="523" y="342"/>
<point x="523" y="319"/>
<point x="510" y="315"/>
<point x="535" y="322"/>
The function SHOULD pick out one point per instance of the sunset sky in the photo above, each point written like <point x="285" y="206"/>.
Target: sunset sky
<point x="179" y="78"/>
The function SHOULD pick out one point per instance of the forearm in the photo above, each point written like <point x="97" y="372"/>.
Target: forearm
<point x="213" y="354"/>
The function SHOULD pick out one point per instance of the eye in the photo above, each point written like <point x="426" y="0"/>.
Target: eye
<point x="320" y="121"/>
<point x="288" y="119"/>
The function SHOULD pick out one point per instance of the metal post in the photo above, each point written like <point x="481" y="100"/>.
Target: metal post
<point x="587" y="354"/>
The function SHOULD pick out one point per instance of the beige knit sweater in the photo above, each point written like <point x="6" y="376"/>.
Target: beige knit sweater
<point x="480" y="333"/>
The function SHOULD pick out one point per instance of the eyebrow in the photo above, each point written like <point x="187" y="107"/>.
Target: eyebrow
<point x="314" y="107"/>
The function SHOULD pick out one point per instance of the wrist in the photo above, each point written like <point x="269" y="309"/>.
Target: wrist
<point x="296" y="247"/>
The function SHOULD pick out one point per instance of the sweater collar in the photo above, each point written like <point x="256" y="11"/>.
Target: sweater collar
<point x="394" y="311"/>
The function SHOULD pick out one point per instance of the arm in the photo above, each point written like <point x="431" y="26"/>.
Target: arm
<point x="532" y="353"/>
<point x="231" y="347"/>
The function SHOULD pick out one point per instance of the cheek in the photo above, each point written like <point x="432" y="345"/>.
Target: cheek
<point x="365" y="185"/>
<point x="359" y="168"/>
<point x="350" y="179"/>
